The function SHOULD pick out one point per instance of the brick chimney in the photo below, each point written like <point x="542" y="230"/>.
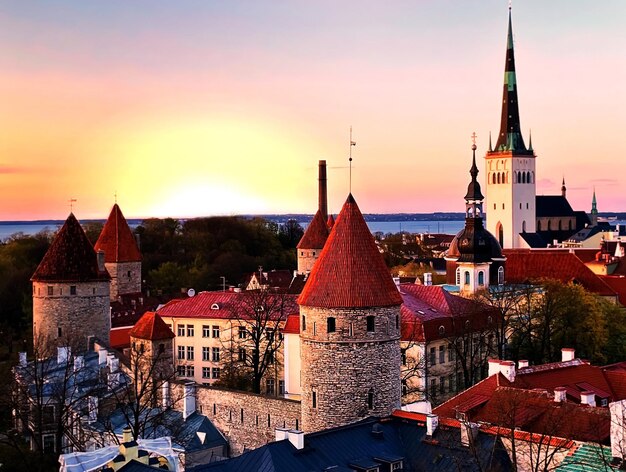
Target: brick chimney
<point x="588" y="398"/>
<point x="560" y="394"/>
<point x="432" y="421"/>
<point x="507" y="368"/>
<point x="568" y="354"/>
<point x="323" y="194"/>
<point x="522" y="364"/>
<point x="494" y="367"/>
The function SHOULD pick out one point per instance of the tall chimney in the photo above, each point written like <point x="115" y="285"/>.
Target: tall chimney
<point x="323" y="199"/>
<point x="568" y="354"/>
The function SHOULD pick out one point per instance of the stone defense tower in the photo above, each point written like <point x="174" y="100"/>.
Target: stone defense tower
<point x="152" y="355"/>
<point x="122" y="258"/>
<point x="474" y="259"/>
<point x="510" y="168"/>
<point x="349" y="329"/>
<point x="70" y="293"/>
<point x="310" y="246"/>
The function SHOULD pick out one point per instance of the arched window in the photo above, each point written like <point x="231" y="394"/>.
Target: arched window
<point x="481" y="278"/>
<point x="523" y="177"/>
<point x="500" y="275"/>
<point x="330" y="324"/>
<point x="538" y="225"/>
<point x="498" y="177"/>
<point x="500" y="231"/>
<point x="528" y="177"/>
<point x="370" y="399"/>
<point x="520" y="206"/>
<point x="507" y="178"/>
<point x="514" y="177"/>
<point x="467" y="278"/>
<point x="458" y="276"/>
<point x="442" y="330"/>
<point x="494" y="177"/>
<point x="524" y="226"/>
<point x="532" y="177"/>
<point x="549" y="225"/>
<point x="560" y="225"/>
<point x="571" y="225"/>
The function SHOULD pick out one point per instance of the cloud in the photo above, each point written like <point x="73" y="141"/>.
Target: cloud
<point x="607" y="182"/>
<point x="10" y="170"/>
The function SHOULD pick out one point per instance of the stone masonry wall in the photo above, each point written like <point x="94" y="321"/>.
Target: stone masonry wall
<point x="306" y="259"/>
<point x="121" y="282"/>
<point x="247" y="420"/>
<point x="78" y="316"/>
<point x="342" y="367"/>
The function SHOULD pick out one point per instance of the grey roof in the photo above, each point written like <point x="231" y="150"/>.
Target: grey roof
<point x="534" y="240"/>
<point x="552" y="206"/>
<point x="342" y="448"/>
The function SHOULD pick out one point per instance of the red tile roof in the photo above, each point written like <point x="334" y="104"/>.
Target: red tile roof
<point x="350" y="271"/>
<point x="525" y="265"/>
<point x="618" y="284"/>
<point x="617" y="380"/>
<point x="292" y="326"/>
<point x="316" y="233"/>
<point x="151" y="326"/>
<point x="425" y="308"/>
<point x="330" y="222"/>
<point x="119" y="338"/>
<point x="70" y="257"/>
<point x="117" y="240"/>
<point x="221" y="305"/>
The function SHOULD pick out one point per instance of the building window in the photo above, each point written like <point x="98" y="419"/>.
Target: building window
<point x="181" y="370"/>
<point x="181" y="353"/>
<point x="351" y="329"/>
<point x="442" y="330"/>
<point x="190" y="371"/>
<point x="189" y="330"/>
<point x="500" y="275"/>
<point x="442" y="385"/>
<point x="303" y="323"/>
<point x="48" y="443"/>
<point x="242" y="355"/>
<point x="72" y="289"/>
<point x="397" y="321"/>
<point x="161" y="348"/>
<point x="481" y="278"/>
<point x="269" y="334"/>
<point x="370" y="324"/>
<point x="181" y="330"/>
<point x="47" y="414"/>
<point x="190" y="353"/>
<point x="467" y="278"/>
<point x="205" y="354"/>
<point x="50" y="290"/>
<point x="458" y="276"/>
<point x="432" y="358"/>
<point x="206" y="331"/>
<point x="314" y="328"/>
<point x="216" y="331"/>
<point x="370" y="399"/>
<point x="405" y="388"/>
<point x="242" y="333"/>
<point x="269" y="386"/>
<point x="281" y="389"/>
<point x="215" y="354"/>
<point x="433" y="387"/>
<point x="59" y="332"/>
<point x="215" y="372"/>
<point x="451" y="387"/>
<point x="403" y="354"/>
<point x="314" y="398"/>
<point x="442" y="354"/>
<point x="206" y="372"/>
<point x="330" y="324"/>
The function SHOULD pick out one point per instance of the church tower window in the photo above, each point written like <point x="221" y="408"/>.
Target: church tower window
<point x="330" y="324"/>
<point x="481" y="278"/>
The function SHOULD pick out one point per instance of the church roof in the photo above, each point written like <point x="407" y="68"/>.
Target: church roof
<point x="553" y="206"/>
<point x="350" y="271"/>
<point x="151" y="326"/>
<point x="316" y="233"/>
<point x="117" y="240"/>
<point x="70" y="257"/>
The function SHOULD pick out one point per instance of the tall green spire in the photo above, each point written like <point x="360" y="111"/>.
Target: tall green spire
<point x="594" y="204"/>
<point x="510" y="137"/>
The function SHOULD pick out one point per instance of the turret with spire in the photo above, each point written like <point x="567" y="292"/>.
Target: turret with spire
<point x="563" y="189"/>
<point x="594" y="209"/>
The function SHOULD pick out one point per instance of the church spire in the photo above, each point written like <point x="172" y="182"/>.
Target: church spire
<point x="563" y="188"/>
<point x="510" y="137"/>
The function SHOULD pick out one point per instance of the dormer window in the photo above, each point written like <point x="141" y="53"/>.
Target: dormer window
<point x="442" y="330"/>
<point x="215" y="306"/>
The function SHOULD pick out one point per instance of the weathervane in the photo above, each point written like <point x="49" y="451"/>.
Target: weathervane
<point x="71" y="201"/>
<point x="352" y="143"/>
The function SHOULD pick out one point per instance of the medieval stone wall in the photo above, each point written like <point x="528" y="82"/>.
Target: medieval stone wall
<point x="63" y="315"/>
<point x="306" y="259"/>
<point x="125" y="278"/>
<point x="247" y="420"/>
<point x="351" y="373"/>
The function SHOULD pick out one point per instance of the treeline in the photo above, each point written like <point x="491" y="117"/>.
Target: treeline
<point x="199" y="252"/>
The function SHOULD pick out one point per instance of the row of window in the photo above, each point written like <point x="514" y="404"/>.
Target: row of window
<point x="569" y="224"/>
<point x="331" y="325"/>
<point x="433" y="358"/>
<point x="370" y="399"/>
<point x="518" y="178"/>
<point x="208" y="353"/>
<point x="481" y="277"/>
<point x="213" y="331"/>
<point x="51" y="290"/>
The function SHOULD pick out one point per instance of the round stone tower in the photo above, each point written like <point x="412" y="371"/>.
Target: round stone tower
<point x="70" y="293"/>
<point x="122" y="258"/>
<point x="349" y="329"/>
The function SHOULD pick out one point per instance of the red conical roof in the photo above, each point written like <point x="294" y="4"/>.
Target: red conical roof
<point x="316" y="233"/>
<point x="70" y="257"/>
<point x="151" y="326"/>
<point x="330" y="222"/>
<point x="117" y="240"/>
<point x="350" y="271"/>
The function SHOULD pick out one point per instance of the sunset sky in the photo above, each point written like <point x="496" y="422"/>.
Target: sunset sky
<point x="200" y="107"/>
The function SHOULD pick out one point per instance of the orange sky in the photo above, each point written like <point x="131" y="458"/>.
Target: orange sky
<point x="201" y="109"/>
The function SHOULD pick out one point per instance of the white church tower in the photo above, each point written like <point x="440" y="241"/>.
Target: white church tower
<point x="510" y="168"/>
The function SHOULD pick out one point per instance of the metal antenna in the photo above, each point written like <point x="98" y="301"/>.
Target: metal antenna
<point x="71" y="201"/>
<point x="352" y="143"/>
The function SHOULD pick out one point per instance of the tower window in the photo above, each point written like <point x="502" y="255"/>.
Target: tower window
<point x="314" y="398"/>
<point x="50" y="290"/>
<point x="303" y="323"/>
<point x="494" y="206"/>
<point x="503" y="206"/>
<point x="500" y="275"/>
<point x="370" y="324"/>
<point x="458" y="276"/>
<point x="314" y="328"/>
<point x="72" y="289"/>
<point x="481" y="278"/>
<point x="370" y="399"/>
<point x="59" y="332"/>
<point x="351" y="329"/>
<point x="467" y="278"/>
<point x="397" y="322"/>
<point x="330" y="324"/>
<point x="128" y="273"/>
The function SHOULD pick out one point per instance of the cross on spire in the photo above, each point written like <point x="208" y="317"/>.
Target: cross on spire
<point x="352" y="143"/>
<point x="71" y="201"/>
<point x="474" y="136"/>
